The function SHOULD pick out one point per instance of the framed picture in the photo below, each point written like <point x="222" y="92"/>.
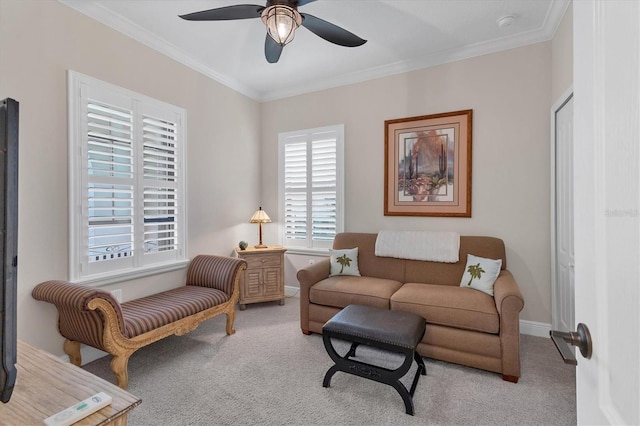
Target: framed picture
<point x="427" y="162"/>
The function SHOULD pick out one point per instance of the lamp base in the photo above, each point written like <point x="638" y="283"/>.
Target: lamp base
<point x="261" y="246"/>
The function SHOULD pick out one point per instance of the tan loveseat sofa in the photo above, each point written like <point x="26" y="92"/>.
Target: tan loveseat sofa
<point x="464" y="326"/>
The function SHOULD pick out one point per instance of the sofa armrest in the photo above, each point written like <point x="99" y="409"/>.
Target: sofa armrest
<point x="509" y="303"/>
<point x="66" y="295"/>
<point x="507" y="294"/>
<point x="307" y="277"/>
<point x="311" y="274"/>
<point x="219" y="272"/>
<point x="77" y="321"/>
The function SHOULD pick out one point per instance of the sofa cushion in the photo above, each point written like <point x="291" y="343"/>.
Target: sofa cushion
<point x="343" y="290"/>
<point x="481" y="273"/>
<point x="450" y="306"/>
<point x="156" y="310"/>
<point x="344" y="262"/>
<point x="369" y="264"/>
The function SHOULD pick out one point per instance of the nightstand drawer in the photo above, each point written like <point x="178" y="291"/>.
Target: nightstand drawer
<point x="263" y="260"/>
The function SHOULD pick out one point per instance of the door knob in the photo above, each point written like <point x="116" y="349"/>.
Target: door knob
<point x="580" y="338"/>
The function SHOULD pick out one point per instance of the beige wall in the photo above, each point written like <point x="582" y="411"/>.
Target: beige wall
<point x="39" y="42"/>
<point x="562" y="56"/>
<point x="233" y="146"/>
<point x="510" y="94"/>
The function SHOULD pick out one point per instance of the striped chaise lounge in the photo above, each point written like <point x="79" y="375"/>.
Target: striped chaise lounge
<point x="94" y="317"/>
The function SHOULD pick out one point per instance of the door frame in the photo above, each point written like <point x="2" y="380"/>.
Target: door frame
<point x="555" y="306"/>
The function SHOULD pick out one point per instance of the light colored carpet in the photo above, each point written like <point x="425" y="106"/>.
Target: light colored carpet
<point x="270" y="373"/>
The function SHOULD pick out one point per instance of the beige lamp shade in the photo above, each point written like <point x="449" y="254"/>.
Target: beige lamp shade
<point x="260" y="217"/>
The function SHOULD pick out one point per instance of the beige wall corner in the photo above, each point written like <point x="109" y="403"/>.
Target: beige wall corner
<point x="39" y="42"/>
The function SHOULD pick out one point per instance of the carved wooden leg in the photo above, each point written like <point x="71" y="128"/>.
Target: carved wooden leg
<point x="307" y="332"/>
<point x="231" y="316"/>
<point x="72" y="349"/>
<point x="119" y="369"/>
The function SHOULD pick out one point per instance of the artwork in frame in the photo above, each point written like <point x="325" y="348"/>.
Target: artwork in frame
<point x="428" y="165"/>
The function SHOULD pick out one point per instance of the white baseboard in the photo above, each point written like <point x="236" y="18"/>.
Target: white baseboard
<point x="533" y="328"/>
<point x="291" y="291"/>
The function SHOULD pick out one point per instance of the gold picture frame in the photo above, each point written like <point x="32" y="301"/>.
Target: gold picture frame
<point x="427" y="162"/>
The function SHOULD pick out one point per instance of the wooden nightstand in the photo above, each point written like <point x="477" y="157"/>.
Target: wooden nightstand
<point x="263" y="280"/>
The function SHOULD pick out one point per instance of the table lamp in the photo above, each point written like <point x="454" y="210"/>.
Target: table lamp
<point x="260" y="217"/>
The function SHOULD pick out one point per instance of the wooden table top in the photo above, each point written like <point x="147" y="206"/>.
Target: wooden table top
<point x="46" y="385"/>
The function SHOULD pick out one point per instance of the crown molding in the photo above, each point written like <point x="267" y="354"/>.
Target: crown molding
<point x="123" y="25"/>
<point x="400" y="67"/>
<point x="545" y="33"/>
<point x="149" y="39"/>
<point x="554" y="17"/>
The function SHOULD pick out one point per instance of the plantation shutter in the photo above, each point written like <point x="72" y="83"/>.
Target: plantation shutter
<point x="160" y="173"/>
<point x="127" y="186"/>
<point x="295" y="192"/>
<point x="310" y="186"/>
<point x="323" y="191"/>
<point x="110" y="177"/>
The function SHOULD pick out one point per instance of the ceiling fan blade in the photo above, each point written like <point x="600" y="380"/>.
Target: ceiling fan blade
<point x="331" y="32"/>
<point x="303" y="2"/>
<point x="272" y="50"/>
<point x="240" y="11"/>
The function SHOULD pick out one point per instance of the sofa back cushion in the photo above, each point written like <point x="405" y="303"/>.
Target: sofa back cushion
<point x="369" y="264"/>
<point x="415" y="271"/>
<point x="451" y="273"/>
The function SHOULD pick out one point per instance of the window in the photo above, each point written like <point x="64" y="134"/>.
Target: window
<point x="127" y="183"/>
<point x="311" y="187"/>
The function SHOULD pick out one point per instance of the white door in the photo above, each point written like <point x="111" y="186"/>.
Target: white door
<point x="607" y="207"/>
<point x="562" y="214"/>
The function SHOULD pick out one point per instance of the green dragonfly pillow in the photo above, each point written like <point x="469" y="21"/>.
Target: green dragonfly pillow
<point x="344" y="262"/>
<point x="481" y="273"/>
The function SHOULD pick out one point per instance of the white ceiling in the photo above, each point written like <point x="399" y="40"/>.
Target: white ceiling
<point x="403" y="35"/>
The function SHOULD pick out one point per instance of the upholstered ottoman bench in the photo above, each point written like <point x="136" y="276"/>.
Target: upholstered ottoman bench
<point x="393" y="331"/>
<point x="95" y="318"/>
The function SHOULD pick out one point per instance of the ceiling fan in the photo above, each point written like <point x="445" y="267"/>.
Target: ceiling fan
<point x="281" y="17"/>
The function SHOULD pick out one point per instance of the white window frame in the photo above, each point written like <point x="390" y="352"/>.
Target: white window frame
<point x="308" y="245"/>
<point x="81" y="89"/>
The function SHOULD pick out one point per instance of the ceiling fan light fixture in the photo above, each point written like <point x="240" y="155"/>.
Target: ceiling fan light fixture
<point x="281" y="22"/>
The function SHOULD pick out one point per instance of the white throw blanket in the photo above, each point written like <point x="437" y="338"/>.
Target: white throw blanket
<point x="435" y="246"/>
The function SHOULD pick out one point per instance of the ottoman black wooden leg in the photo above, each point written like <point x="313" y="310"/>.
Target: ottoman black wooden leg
<point x="352" y="351"/>
<point x="420" y="362"/>
<point x="326" y="339"/>
<point x="422" y="370"/>
<point x="406" y="397"/>
<point x="327" y="377"/>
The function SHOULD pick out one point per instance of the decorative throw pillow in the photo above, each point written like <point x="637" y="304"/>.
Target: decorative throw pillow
<point x="344" y="262"/>
<point x="481" y="273"/>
